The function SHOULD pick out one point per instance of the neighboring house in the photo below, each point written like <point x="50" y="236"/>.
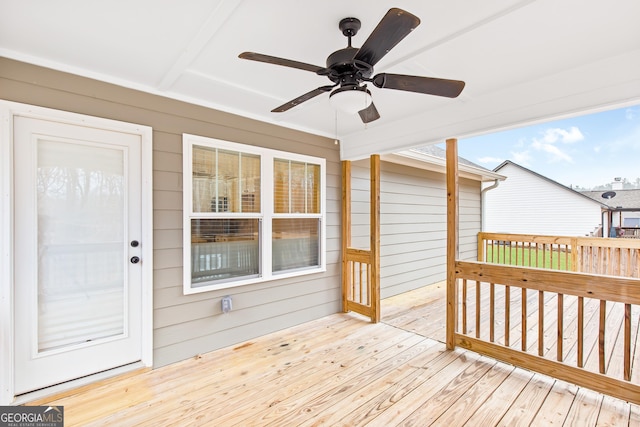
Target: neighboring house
<point x="529" y="203"/>
<point x="143" y="213"/>
<point x="621" y="214"/>
<point x="413" y="207"/>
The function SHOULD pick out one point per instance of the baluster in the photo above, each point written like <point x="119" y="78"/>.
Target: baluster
<point x="540" y="323"/>
<point x="477" y="309"/>
<point x="492" y="311"/>
<point x="507" y="314"/>
<point x="601" y="336"/>
<point x="464" y="306"/>
<point x="523" y="340"/>
<point x="627" y="342"/>
<point x="353" y="280"/>
<point x="580" y="332"/>
<point x="559" y="356"/>
<point x="361" y="299"/>
<point x="619" y="254"/>
<point x="369" y="283"/>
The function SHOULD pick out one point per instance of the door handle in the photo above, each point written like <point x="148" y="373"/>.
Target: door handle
<point x="135" y="260"/>
<point x="134" y="243"/>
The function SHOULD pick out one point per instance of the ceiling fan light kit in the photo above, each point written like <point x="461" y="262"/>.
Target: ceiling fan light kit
<point x="350" y="99"/>
<point x="350" y="68"/>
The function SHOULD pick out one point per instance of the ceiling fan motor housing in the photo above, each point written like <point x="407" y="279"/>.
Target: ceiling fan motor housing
<point x="343" y="69"/>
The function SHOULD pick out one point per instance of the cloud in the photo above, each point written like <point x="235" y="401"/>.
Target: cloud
<point x="520" y="143"/>
<point x="522" y="158"/>
<point x="551" y="136"/>
<point x="555" y="154"/>
<point x="489" y="159"/>
<point x="631" y="113"/>
<point x="550" y="139"/>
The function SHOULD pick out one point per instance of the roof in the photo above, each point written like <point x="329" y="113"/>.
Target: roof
<point x="434" y="158"/>
<point x="560" y="186"/>
<point x="435" y="151"/>
<point x="517" y="71"/>
<point x="623" y="199"/>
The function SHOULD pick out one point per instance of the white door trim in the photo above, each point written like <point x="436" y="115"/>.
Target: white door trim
<point x="7" y="111"/>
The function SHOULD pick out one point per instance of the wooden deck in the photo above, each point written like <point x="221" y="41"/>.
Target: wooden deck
<point x="343" y="371"/>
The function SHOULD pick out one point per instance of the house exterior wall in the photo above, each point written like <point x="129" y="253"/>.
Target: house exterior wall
<point x="187" y="325"/>
<point x="413" y="217"/>
<point x="528" y="204"/>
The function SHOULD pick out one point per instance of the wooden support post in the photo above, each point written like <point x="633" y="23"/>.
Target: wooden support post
<point x="481" y="244"/>
<point x="452" y="240"/>
<point x="346" y="229"/>
<point x="375" y="238"/>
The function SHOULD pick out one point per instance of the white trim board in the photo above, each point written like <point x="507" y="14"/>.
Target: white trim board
<point x="7" y="111"/>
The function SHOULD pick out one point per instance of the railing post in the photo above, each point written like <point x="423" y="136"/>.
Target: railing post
<point x="481" y="247"/>
<point x="375" y="238"/>
<point x="346" y="229"/>
<point x="452" y="240"/>
<point x="574" y="255"/>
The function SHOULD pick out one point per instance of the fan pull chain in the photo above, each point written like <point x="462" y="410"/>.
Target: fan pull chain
<point x="335" y="141"/>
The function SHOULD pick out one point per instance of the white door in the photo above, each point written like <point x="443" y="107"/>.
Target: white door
<point x="77" y="266"/>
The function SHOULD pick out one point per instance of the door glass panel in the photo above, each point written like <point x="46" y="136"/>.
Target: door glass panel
<point x="81" y="242"/>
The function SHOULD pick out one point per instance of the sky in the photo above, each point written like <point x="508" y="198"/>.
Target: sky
<point x="584" y="151"/>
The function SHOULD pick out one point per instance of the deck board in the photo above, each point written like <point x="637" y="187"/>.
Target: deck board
<point x="342" y="370"/>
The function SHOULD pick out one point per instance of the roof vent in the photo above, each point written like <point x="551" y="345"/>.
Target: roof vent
<point x="608" y="194"/>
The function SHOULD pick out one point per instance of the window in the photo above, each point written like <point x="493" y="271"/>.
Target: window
<point x="251" y="214"/>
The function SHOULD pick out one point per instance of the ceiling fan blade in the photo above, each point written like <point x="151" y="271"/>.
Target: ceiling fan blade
<point x="302" y="98"/>
<point x="393" y="27"/>
<point x="369" y="114"/>
<point x="280" y="61"/>
<point x="428" y="85"/>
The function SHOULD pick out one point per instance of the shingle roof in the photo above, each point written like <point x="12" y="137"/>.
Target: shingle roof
<point x="435" y="151"/>
<point x="623" y="199"/>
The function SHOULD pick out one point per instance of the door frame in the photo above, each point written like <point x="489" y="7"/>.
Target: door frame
<point x="8" y="110"/>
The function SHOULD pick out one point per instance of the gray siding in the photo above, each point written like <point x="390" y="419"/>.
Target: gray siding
<point x="185" y="326"/>
<point x="413" y="223"/>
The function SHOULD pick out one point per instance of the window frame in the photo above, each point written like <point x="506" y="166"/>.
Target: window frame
<point x="266" y="215"/>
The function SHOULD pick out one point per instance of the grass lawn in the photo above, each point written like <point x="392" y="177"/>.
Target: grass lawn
<point x="528" y="257"/>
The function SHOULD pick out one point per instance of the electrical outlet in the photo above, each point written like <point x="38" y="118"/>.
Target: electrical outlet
<point x="227" y="304"/>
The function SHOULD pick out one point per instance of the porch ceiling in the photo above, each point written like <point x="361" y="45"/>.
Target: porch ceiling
<point x="524" y="61"/>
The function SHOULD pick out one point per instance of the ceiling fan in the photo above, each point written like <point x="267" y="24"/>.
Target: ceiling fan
<point x="349" y="68"/>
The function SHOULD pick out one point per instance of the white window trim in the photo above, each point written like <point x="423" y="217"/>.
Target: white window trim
<point x="267" y="157"/>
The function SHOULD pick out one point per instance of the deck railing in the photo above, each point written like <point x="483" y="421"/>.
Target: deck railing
<point x="568" y="307"/>
<point x="597" y="255"/>
<point x="359" y="286"/>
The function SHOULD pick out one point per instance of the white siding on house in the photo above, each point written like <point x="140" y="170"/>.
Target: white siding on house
<point x="530" y="204"/>
<point x="413" y="217"/>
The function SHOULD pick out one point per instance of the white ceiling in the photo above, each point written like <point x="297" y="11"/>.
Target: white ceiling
<point x="523" y="61"/>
